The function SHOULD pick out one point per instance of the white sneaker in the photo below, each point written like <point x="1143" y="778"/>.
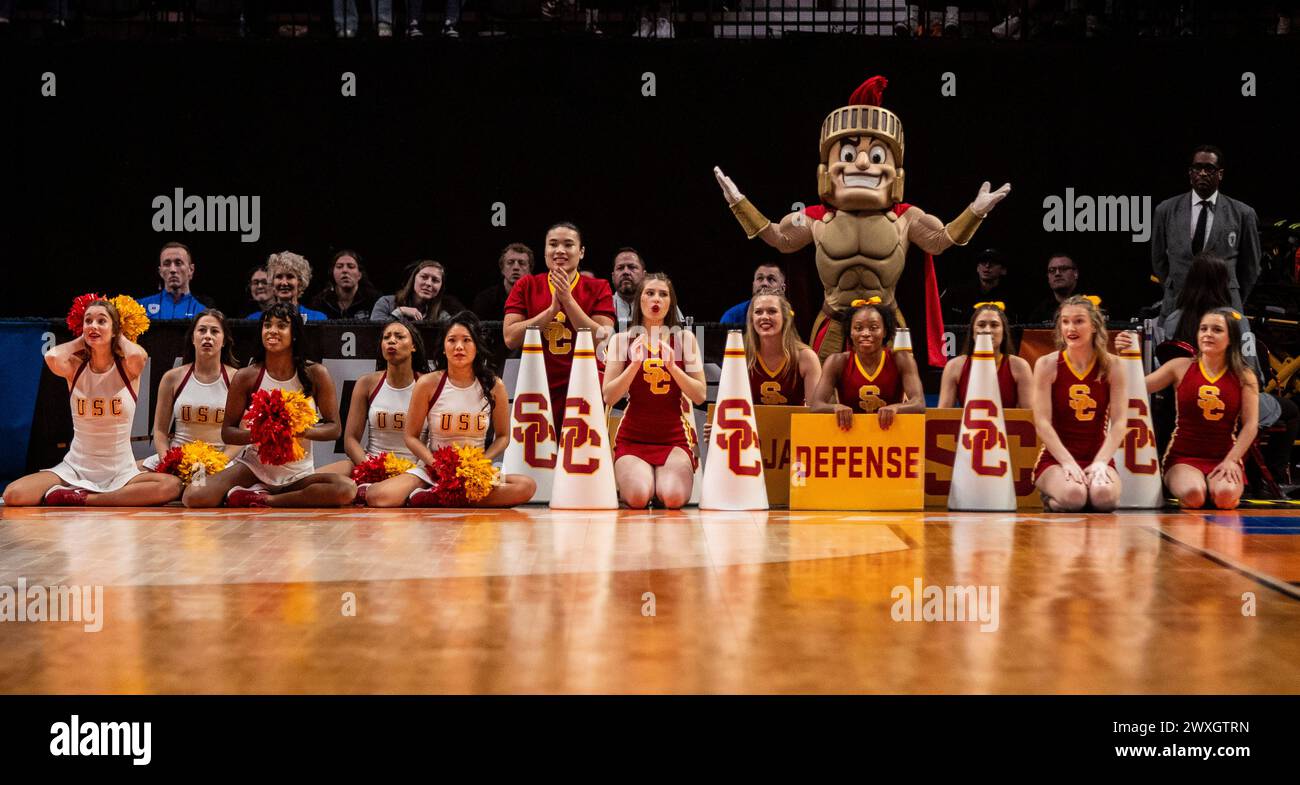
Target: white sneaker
<point x="663" y="28"/>
<point x="643" y="31"/>
<point x="449" y="30"/>
<point x="413" y="30"/>
<point x="1008" y="28"/>
<point x="385" y="30"/>
<point x="952" y="20"/>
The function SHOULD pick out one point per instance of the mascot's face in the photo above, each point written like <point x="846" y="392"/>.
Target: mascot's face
<point x="862" y="172"/>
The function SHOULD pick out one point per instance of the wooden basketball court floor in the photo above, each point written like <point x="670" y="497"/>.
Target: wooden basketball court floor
<point x="538" y="601"/>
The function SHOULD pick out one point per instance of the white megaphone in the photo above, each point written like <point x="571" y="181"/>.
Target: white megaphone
<point x="1137" y="462"/>
<point x="532" y="447"/>
<point x="733" y="474"/>
<point x="584" y="463"/>
<point x="981" y="469"/>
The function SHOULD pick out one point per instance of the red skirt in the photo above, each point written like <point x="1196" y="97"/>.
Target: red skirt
<point x="1047" y="461"/>
<point x="653" y="454"/>
<point x="1202" y="465"/>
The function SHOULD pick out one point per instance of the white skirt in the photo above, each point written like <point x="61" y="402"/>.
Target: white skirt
<point x="276" y="476"/>
<point x="96" y="480"/>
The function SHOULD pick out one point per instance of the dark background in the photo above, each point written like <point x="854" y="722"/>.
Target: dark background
<point x="558" y="129"/>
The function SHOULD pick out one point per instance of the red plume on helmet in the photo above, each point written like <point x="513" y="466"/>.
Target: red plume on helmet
<point x="869" y="92"/>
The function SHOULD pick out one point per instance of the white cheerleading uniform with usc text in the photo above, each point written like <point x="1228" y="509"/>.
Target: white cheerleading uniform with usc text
<point x="103" y="405"/>
<point x="386" y="418"/>
<point x="276" y="476"/>
<point x="457" y="415"/>
<point x="198" y="412"/>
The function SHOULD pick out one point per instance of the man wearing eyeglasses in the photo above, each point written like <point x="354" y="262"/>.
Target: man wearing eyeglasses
<point x="1205" y="221"/>
<point x="1063" y="280"/>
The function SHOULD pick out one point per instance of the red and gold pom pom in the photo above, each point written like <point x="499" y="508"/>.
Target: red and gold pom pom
<point x="275" y="419"/>
<point x="193" y="460"/>
<point x="476" y="472"/>
<point x="378" y="468"/>
<point x="450" y="488"/>
<point x="170" y="463"/>
<point x="77" y="313"/>
<point x="131" y="313"/>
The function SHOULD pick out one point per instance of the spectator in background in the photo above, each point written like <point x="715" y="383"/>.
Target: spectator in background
<point x="990" y="269"/>
<point x="1063" y="280"/>
<point x="1205" y="221"/>
<point x="259" y="289"/>
<point x="176" y="269"/>
<point x="766" y="276"/>
<point x="515" y="261"/>
<point x="290" y="275"/>
<point x="350" y="294"/>
<point x="629" y="271"/>
<point x="421" y="298"/>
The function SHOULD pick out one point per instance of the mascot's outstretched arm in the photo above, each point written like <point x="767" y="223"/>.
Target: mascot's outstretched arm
<point x="794" y="231"/>
<point x="935" y="238"/>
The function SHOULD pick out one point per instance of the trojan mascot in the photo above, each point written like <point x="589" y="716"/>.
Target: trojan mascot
<point x="862" y="230"/>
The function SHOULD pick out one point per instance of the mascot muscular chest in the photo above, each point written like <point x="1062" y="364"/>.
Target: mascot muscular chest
<point x="858" y="255"/>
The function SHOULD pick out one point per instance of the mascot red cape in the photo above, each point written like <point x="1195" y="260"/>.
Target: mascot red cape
<point x="862" y="229"/>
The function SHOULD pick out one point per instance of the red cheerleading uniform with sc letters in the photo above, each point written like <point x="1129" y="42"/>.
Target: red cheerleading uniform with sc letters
<point x="866" y="391"/>
<point x="1006" y="384"/>
<point x="1080" y="408"/>
<point x="782" y="387"/>
<point x="1206" y="428"/>
<point x="531" y="295"/>
<point x="658" y="416"/>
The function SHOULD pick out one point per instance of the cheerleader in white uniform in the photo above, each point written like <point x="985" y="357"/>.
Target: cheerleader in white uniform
<point x="192" y="396"/>
<point x="455" y="404"/>
<point x="280" y="363"/>
<point x="103" y="373"/>
<point x="381" y="399"/>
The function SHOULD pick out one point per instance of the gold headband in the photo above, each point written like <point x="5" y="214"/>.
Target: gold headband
<point x="1001" y="306"/>
<point x="872" y="300"/>
<point x="1094" y="299"/>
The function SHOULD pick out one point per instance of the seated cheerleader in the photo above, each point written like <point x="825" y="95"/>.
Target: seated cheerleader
<point x="1079" y="391"/>
<point x="654" y="449"/>
<point x="891" y="386"/>
<point x="192" y="396"/>
<point x="279" y="363"/>
<point x="102" y="369"/>
<point x="380" y="401"/>
<point x="771" y="343"/>
<point x="1215" y="394"/>
<point x="1015" y="377"/>
<point x="454" y="405"/>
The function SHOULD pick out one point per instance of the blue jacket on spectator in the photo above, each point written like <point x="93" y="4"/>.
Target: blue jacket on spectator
<point x="307" y="314"/>
<point x="161" y="305"/>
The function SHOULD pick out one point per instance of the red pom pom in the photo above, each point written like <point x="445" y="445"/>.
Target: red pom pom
<point x="450" y="490"/>
<point x="371" y="469"/>
<point x="268" y="425"/>
<point x="77" y="313"/>
<point x="170" y="463"/>
<point x="870" y="92"/>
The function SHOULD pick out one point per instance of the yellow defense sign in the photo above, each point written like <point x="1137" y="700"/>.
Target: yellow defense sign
<point x="864" y="468"/>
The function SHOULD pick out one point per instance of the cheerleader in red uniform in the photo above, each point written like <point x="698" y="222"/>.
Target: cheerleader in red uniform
<point x="1015" y="377"/>
<point x="1216" y="394"/>
<point x="1078" y="395"/>
<point x="654" y="450"/>
<point x="871" y="378"/>
<point x="102" y="369"/>
<point x="381" y="399"/>
<point x="783" y="371"/>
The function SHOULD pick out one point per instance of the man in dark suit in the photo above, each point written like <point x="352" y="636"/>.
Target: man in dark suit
<point x="1205" y="220"/>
